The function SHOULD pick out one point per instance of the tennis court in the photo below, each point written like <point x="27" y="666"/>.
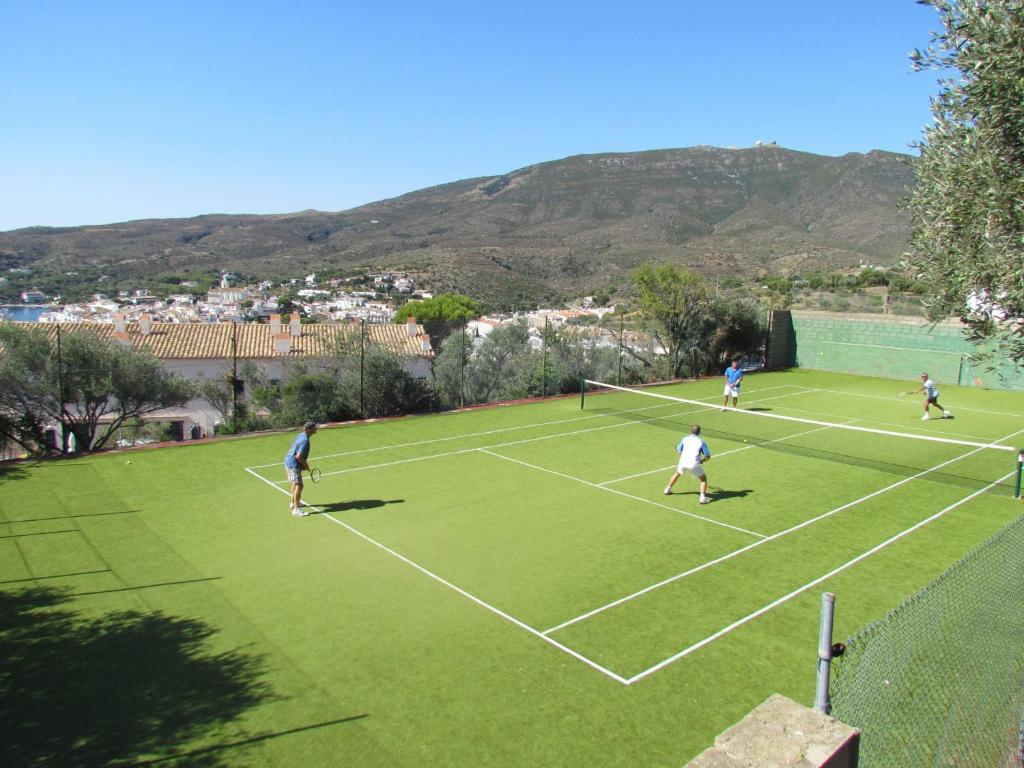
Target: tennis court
<point x="509" y="585"/>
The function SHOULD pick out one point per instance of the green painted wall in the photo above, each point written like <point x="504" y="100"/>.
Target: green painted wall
<point x="896" y="347"/>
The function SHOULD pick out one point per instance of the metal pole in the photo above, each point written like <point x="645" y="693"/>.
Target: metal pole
<point x="60" y="394"/>
<point x="544" y="362"/>
<point x="234" y="377"/>
<point x="1020" y="470"/>
<point x="462" y="375"/>
<point x="583" y="392"/>
<point x="821" y="699"/>
<point x="621" y="316"/>
<point x="362" y="348"/>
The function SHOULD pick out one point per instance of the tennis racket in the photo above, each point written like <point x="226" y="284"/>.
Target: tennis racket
<point x="314" y="475"/>
<point x="903" y="394"/>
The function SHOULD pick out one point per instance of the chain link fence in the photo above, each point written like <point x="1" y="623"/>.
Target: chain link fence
<point x="940" y="680"/>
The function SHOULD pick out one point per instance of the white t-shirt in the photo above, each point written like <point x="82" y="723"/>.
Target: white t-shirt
<point x="931" y="389"/>
<point x="692" y="449"/>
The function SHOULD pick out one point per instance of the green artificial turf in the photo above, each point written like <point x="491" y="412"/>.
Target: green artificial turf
<point x="162" y="605"/>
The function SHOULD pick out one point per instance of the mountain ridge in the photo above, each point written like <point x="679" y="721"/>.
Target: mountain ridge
<point x="560" y="227"/>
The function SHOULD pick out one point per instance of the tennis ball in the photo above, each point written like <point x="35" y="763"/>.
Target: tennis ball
<point x="128" y="462"/>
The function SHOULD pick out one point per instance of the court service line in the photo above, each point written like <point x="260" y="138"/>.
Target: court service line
<point x="721" y="455"/>
<point x="445" y="454"/>
<point x="783" y="417"/>
<point x="524" y="426"/>
<point x="482" y="603"/>
<point x="785" y="598"/>
<point x="903" y="399"/>
<point x="964" y="435"/>
<point x="772" y="537"/>
<point x="621" y="493"/>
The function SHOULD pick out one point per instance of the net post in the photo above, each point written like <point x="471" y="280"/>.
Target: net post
<point x="821" y="696"/>
<point x="583" y="392"/>
<point x="1020" y="468"/>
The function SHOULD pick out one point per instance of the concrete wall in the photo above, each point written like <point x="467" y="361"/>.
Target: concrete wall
<point x="892" y="346"/>
<point x="781" y="733"/>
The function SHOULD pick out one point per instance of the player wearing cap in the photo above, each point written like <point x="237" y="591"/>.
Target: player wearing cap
<point x="295" y="461"/>
<point x="693" y="452"/>
<point x="931" y="397"/>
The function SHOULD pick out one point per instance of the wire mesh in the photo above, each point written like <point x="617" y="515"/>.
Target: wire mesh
<point x="940" y="680"/>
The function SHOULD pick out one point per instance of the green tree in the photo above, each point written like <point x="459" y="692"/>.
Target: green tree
<point x="441" y="314"/>
<point x="677" y="303"/>
<point x="88" y="384"/>
<point x="967" y="217"/>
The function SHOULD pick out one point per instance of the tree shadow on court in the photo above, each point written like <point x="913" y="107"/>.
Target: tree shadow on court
<point x="717" y="494"/>
<point x="10" y="472"/>
<point x="346" y="506"/>
<point x="84" y="690"/>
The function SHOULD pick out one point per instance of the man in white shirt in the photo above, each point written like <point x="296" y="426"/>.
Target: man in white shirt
<point x="693" y="452"/>
<point x="931" y="397"/>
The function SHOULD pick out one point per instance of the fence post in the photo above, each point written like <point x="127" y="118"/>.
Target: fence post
<point x="362" y="355"/>
<point x="821" y="699"/>
<point x="462" y="370"/>
<point x="1020" y="469"/>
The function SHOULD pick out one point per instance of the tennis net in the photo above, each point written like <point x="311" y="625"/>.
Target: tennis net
<point x="940" y="459"/>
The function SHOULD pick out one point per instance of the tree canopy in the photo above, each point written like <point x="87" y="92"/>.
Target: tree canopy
<point x="444" y="306"/>
<point x="87" y="384"/>
<point x="968" y="202"/>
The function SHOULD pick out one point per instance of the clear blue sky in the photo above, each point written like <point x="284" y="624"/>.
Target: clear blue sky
<point x="111" y="111"/>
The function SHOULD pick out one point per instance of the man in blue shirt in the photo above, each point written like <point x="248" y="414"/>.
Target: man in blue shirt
<point x="295" y="461"/>
<point x="733" y="377"/>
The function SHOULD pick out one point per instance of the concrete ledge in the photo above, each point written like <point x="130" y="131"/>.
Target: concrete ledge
<point x="780" y="733"/>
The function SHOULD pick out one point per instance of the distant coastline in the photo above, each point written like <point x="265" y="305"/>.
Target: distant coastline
<point x="25" y="313"/>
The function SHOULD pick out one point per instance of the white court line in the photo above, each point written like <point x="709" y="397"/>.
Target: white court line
<point x="901" y="400"/>
<point x="621" y="493"/>
<point x="964" y="435"/>
<point x="497" y="611"/>
<point x="760" y="611"/>
<point x="719" y="455"/>
<point x="445" y="454"/>
<point x="748" y="547"/>
<point x="869" y="430"/>
<point x="511" y="429"/>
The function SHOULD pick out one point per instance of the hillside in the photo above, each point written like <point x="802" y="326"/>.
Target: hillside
<point x="558" y="228"/>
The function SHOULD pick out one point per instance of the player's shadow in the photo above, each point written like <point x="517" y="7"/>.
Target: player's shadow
<point x="758" y="408"/>
<point x="722" y="493"/>
<point x="346" y="506"/>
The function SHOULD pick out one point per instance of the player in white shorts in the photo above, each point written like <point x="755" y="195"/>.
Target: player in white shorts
<point x="693" y="452"/>
<point x="931" y="396"/>
<point x="733" y="378"/>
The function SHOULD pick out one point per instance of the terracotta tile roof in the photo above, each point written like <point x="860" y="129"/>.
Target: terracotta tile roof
<point x="191" y="341"/>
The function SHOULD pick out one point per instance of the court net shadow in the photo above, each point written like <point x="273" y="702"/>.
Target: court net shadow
<point x="346" y="506"/>
<point x="82" y="690"/>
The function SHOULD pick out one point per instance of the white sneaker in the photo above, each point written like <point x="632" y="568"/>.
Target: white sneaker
<point x="925" y="417"/>
<point x="947" y="415"/>
<point x="703" y="499"/>
<point x="668" y="491"/>
<point x="300" y="512"/>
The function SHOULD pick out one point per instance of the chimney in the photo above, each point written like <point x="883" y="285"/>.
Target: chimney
<point x="425" y="347"/>
<point x="122" y="338"/>
<point x="410" y="326"/>
<point x="295" y="325"/>
<point x="120" y="326"/>
<point x="282" y="343"/>
<point x="145" y="324"/>
<point x="275" y="325"/>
